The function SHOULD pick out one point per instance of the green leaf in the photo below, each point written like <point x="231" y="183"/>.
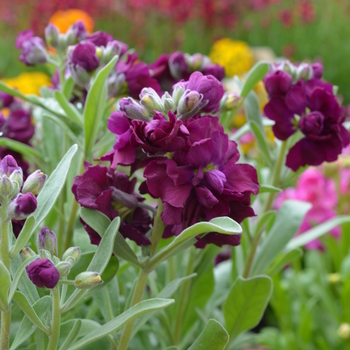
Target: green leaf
<point x="138" y="310"/>
<point x="223" y="225"/>
<point x="317" y="232"/>
<point x="23" y="303"/>
<point x="269" y="188"/>
<point x="71" y="111"/>
<point x="13" y="92"/>
<point x="68" y="88"/>
<point x="27" y="328"/>
<point x="28" y="152"/>
<point x="5" y="283"/>
<point x="72" y="336"/>
<point x="246" y="128"/>
<point x="18" y="276"/>
<point x="246" y="303"/>
<point x="99" y="222"/>
<point x="213" y="337"/>
<point x="283" y="261"/>
<point x="46" y="198"/>
<point x="95" y="105"/>
<point x="286" y="225"/>
<point x="260" y="137"/>
<point x="256" y="74"/>
<point x="264" y="220"/>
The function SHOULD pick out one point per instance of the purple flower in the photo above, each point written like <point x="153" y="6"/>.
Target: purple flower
<point x="47" y="240"/>
<point x="8" y="165"/>
<point x="79" y="30"/>
<point x="133" y="110"/>
<point x="211" y="89"/>
<point x="161" y="72"/>
<point x="178" y="66"/>
<point x="33" y="48"/>
<point x="22" y="206"/>
<point x="6" y="100"/>
<point x="99" y="38"/>
<point x="319" y="118"/>
<point x="84" y="55"/>
<point x="159" y="135"/>
<point x="43" y="273"/>
<point x="203" y="182"/>
<point x="112" y="193"/>
<point x="215" y="70"/>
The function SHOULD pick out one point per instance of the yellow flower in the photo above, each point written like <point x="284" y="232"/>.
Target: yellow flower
<point x="234" y="56"/>
<point x="28" y="83"/>
<point x="64" y="19"/>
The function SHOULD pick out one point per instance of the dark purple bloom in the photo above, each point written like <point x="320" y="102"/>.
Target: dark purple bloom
<point x="100" y="38"/>
<point x="33" y="48"/>
<point x="8" y="165"/>
<point x="317" y="69"/>
<point x="112" y="193"/>
<point x="5" y="100"/>
<point x="47" y="240"/>
<point x="203" y="182"/>
<point x="79" y="30"/>
<point x="159" y="135"/>
<point x="178" y="66"/>
<point x="319" y="118"/>
<point x="207" y="85"/>
<point x="22" y="206"/>
<point x="84" y="55"/>
<point x="161" y="72"/>
<point x="43" y="273"/>
<point x="215" y="70"/>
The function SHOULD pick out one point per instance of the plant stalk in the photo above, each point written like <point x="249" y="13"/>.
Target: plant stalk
<point x="56" y="319"/>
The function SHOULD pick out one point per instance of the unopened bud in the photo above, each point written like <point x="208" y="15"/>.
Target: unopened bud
<point x="7" y="187"/>
<point x="230" y="101"/>
<point x="168" y="102"/>
<point x="305" y="71"/>
<point x="17" y="176"/>
<point x="87" y="280"/>
<point x="35" y="182"/>
<point x="189" y="104"/>
<point x="196" y="61"/>
<point x="133" y="110"/>
<point x="178" y="92"/>
<point x="47" y="240"/>
<point x="8" y="165"/>
<point x="45" y="254"/>
<point x="63" y="268"/>
<point x="22" y="206"/>
<point x="72" y="255"/>
<point x="344" y="331"/>
<point x="52" y="35"/>
<point x="151" y="100"/>
<point x="26" y="253"/>
<point x="112" y="49"/>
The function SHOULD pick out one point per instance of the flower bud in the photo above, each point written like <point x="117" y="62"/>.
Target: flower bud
<point x="63" y="268"/>
<point x="87" y="280"/>
<point x="126" y="199"/>
<point x="133" y="110"/>
<point x="150" y="100"/>
<point x="196" y="61"/>
<point x="47" y="240"/>
<point x="17" y="176"/>
<point x="34" y="183"/>
<point x="72" y="255"/>
<point x="80" y="30"/>
<point x="22" y="206"/>
<point x="168" y="102"/>
<point x="177" y="65"/>
<point x="305" y="71"/>
<point x="189" y="104"/>
<point x="33" y="48"/>
<point x="43" y="273"/>
<point x="7" y="187"/>
<point x="26" y="253"/>
<point x="45" y="254"/>
<point x="344" y="331"/>
<point x="178" y="91"/>
<point x="112" y="49"/>
<point x="52" y="35"/>
<point x="230" y="101"/>
<point x="8" y="165"/>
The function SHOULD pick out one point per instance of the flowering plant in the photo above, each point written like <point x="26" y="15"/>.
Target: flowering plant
<point x="150" y="185"/>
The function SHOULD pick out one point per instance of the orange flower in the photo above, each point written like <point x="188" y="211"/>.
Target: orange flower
<point x="64" y="19"/>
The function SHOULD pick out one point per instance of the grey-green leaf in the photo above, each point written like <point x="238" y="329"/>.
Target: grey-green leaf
<point x="256" y="74"/>
<point x="5" y="283"/>
<point x="246" y="304"/>
<point x="72" y="336"/>
<point x="46" y="198"/>
<point x="71" y="111"/>
<point x="283" y="261"/>
<point x="213" y="337"/>
<point x="286" y="225"/>
<point x="129" y="315"/>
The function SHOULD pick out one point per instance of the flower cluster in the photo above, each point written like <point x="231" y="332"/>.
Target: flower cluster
<point x="300" y="100"/>
<point x="190" y="164"/>
<point x="315" y="188"/>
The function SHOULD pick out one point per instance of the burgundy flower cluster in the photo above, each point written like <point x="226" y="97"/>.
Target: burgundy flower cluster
<point x="301" y="100"/>
<point x="190" y="164"/>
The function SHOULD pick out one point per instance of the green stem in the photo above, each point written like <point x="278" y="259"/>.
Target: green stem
<point x="138" y="292"/>
<point x="268" y="205"/>
<point x="184" y="297"/>
<point x="56" y="319"/>
<point x="5" y="258"/>
<point x="158" y="229"/>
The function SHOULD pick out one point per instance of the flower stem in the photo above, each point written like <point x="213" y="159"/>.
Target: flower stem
<point x="268" y="204"/>
<point x="139" y="288"/>
<point x="56" y="319"/>
<point x="5" y="258"/>
<point x="158" y="229"/>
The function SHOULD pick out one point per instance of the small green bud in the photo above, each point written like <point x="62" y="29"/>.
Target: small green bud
<point x="150" y="100"/>
<point x="7" y="187"/>
<point x="35" y="182"/>
<point x="178" y="91"/>
<point x="87" y="280"/>
<point x="63" y="268"/>
<point x="47" y="240"/>
<point x="72" y="255"/>
<point x="44" y="254"/>
<point x="17" y="176"/>
<point x="26" y="253"/>
<point x="229" y="101"/>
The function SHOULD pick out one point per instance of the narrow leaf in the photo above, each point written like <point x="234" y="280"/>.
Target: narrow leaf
<point x="46" y="198"/>
<point x="213" y="337"/>
<point x="256" y="74"/>
<point x="5" y="283"/>
<point x="283" y="261"/>
<point x="246" y="303"/>
<point x="72" y="336"/>
<point x="68" y="88"/>
<point x="269" y="188"/>
<point x="138" y="310"/>
<point x="286" y="225"/>
<point x="23" y="303"/>
<point x="28" y="152"/>
<point x="95" y="105"/>
<point x="70" y="110"/>
<point x="260" y="137"/>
